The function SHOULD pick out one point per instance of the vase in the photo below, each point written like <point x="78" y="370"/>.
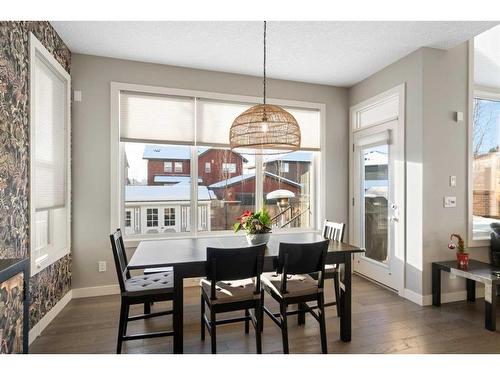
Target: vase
<point x="463" y="259"/>
<point x="258" y="238"/>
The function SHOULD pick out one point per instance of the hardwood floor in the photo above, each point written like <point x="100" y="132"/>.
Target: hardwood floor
<point x="382" y="323"/>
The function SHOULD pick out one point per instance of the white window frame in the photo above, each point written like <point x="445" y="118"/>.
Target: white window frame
<point x="152" y="215"/>
<point x="50" y="255"/>
<point x="485" y="93"/>
<point x="128" y="218"/>
<point x="117" y="191"/>
<point x="178" y="167"/>
<point x="208" y="167"/>
<point x="285" y="167"/>
<point x="167" y="167"/>
<point x="229" y="167"/>
<point x="170" y="209"/>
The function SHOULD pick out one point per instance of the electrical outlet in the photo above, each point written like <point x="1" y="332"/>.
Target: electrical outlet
<point x="450" y="202"/>
<point x="453" y="181"/>
<point x="102" y="266"/>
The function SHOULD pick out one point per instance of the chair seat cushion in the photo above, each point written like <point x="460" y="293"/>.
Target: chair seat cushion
<point x="296" y="285"/>
<point x="230" y="291"/>
<point x="162" y="282"/>
<point x="149" y="271"/>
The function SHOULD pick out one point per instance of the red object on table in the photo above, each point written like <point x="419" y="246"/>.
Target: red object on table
<point x="463" y="259"/>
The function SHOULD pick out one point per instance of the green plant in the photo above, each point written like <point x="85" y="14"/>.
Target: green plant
<point x="254" y="223"/>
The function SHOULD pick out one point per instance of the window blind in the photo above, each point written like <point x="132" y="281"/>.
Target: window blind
<point x="50" y="137"/>
<point x="157" y="118"/>
<point x="215" y="118"/>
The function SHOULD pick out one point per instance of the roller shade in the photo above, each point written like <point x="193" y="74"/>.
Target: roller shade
<point x="50" y="138"/>
<point x="156" y="118"/>
<point x="215" y="118"/>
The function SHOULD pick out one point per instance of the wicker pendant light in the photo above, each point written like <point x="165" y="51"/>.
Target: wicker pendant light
<point x="265" y="128"/>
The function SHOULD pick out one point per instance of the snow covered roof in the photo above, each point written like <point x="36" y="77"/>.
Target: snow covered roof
<point x="174" y="179"/>
<point x="243" y="177"/>
<point x="303" y="156"/>
<point x="178" y="192"/>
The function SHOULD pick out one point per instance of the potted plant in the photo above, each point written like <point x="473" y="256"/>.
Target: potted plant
<point x="459" y="246"/>
<point x="256" y="225"/>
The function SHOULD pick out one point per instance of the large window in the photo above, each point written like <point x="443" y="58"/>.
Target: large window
<point x="49" y="153"/>
<point x="170" y="169"/>
<point x="485" y="164"/>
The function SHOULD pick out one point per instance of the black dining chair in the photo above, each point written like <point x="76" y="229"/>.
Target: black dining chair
<point x="146" y="271"/>
<point x="333" y="231"/>
<point x="293" y="284"/>
<point x="233" y="284"/>
<point x="143" y="289"/>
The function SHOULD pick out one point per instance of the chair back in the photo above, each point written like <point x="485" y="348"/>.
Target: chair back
<point x="120" y="258"/>
<point x="333" y="231"/>
<point x="302" y="258"/>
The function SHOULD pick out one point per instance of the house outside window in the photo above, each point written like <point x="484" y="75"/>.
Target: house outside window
<point x="208" y="167"/>
<point x="167" y="166"/>
<point x="178" y="167"/>
<point x="229" y="167"/>
<point x="285" y="167"/>
<point x="169" y="217"/>
<point x="152" y="217"/>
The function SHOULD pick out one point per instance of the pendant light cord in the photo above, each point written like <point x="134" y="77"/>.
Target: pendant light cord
<point x="264" y="62"/>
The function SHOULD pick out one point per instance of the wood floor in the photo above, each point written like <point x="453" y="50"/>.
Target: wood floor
<point x="382" y="323"/>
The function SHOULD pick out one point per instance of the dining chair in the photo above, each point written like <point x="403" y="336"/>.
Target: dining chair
<point x="146" y="271"/>
<point x="233" y="284"/>
<point x="142" y="289"/>
<point x="293" y="284"/>
<point x="333" y="231"/>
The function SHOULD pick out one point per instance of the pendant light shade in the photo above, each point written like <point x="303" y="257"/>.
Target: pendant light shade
<point x="265" y="128"/>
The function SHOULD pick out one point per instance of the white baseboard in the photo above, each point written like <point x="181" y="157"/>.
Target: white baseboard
<point x="106" y="290"/>
<point x="426" y="300"/>
<point x="96" y="291"/>
<point x="51" y="314"/>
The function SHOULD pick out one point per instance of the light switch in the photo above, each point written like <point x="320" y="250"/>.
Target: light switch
<point x="77" y="95"/>
<point x="450" y="202"/>
<point x="453" y="181"/>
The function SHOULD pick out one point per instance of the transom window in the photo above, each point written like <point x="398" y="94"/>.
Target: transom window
<point x="224" y="183"/>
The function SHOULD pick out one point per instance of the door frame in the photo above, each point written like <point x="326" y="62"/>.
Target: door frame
<point x="400" y="184"/>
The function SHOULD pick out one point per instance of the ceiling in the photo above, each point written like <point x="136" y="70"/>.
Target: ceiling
<point x="487" y="58"/>
<point x="333" y="53"/>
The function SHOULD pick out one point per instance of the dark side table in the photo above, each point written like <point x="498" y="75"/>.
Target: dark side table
<point x="475" y="272"/>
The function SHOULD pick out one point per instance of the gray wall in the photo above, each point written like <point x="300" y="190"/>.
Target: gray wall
<point x="436" y="147"/>
<point x="91" y="143"/>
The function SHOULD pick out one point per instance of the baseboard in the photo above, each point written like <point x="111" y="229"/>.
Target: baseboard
<point x="426" y="300"/>
<point x="47" y="318"/>
<point x="106" y="290"/>
<point x="96" y="291"/>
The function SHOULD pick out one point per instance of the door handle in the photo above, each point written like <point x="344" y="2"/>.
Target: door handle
<point x="394" y="219"/>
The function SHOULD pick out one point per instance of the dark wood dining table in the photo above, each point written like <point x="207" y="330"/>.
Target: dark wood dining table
<point x="187" y="256"/>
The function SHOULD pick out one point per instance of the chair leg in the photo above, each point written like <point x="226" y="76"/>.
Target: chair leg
<point x="147" y="308"/>
<point x="213" y="331"/>
<point x="284" y="328"/>
<point x="258" y="327"/>
<point x="322" y="323"/>
<point x="121" y="326"/>
<point x="247" y="322"/>
<point x="202" y="319"/>
<point x="336" y="285"/>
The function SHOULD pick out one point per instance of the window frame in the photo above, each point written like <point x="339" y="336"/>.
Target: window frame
<point x="229" y="167"/>
<point x="485" y="93"/>
<point x="51" y="255"/>
<point x="171" y="217"/>
<point x="167" y="167"/>
<point x="117" y="189"/>
<point x="208" y="167"/>
<point x="179" y="165"/>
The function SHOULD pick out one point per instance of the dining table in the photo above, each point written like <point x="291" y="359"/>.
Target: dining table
<point x="187" y="256"/>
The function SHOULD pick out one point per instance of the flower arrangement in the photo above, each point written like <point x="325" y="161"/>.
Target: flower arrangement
<point x="254" y="223"/>
<point x="459" y="245"/>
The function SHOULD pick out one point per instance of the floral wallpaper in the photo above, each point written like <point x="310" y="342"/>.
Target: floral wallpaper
<point x="11" y="315"/>
<point x="52" y="283"/>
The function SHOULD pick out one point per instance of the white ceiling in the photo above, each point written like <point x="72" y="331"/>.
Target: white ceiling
<point x="487" y="58"/>
<point x="334" y="53"/>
